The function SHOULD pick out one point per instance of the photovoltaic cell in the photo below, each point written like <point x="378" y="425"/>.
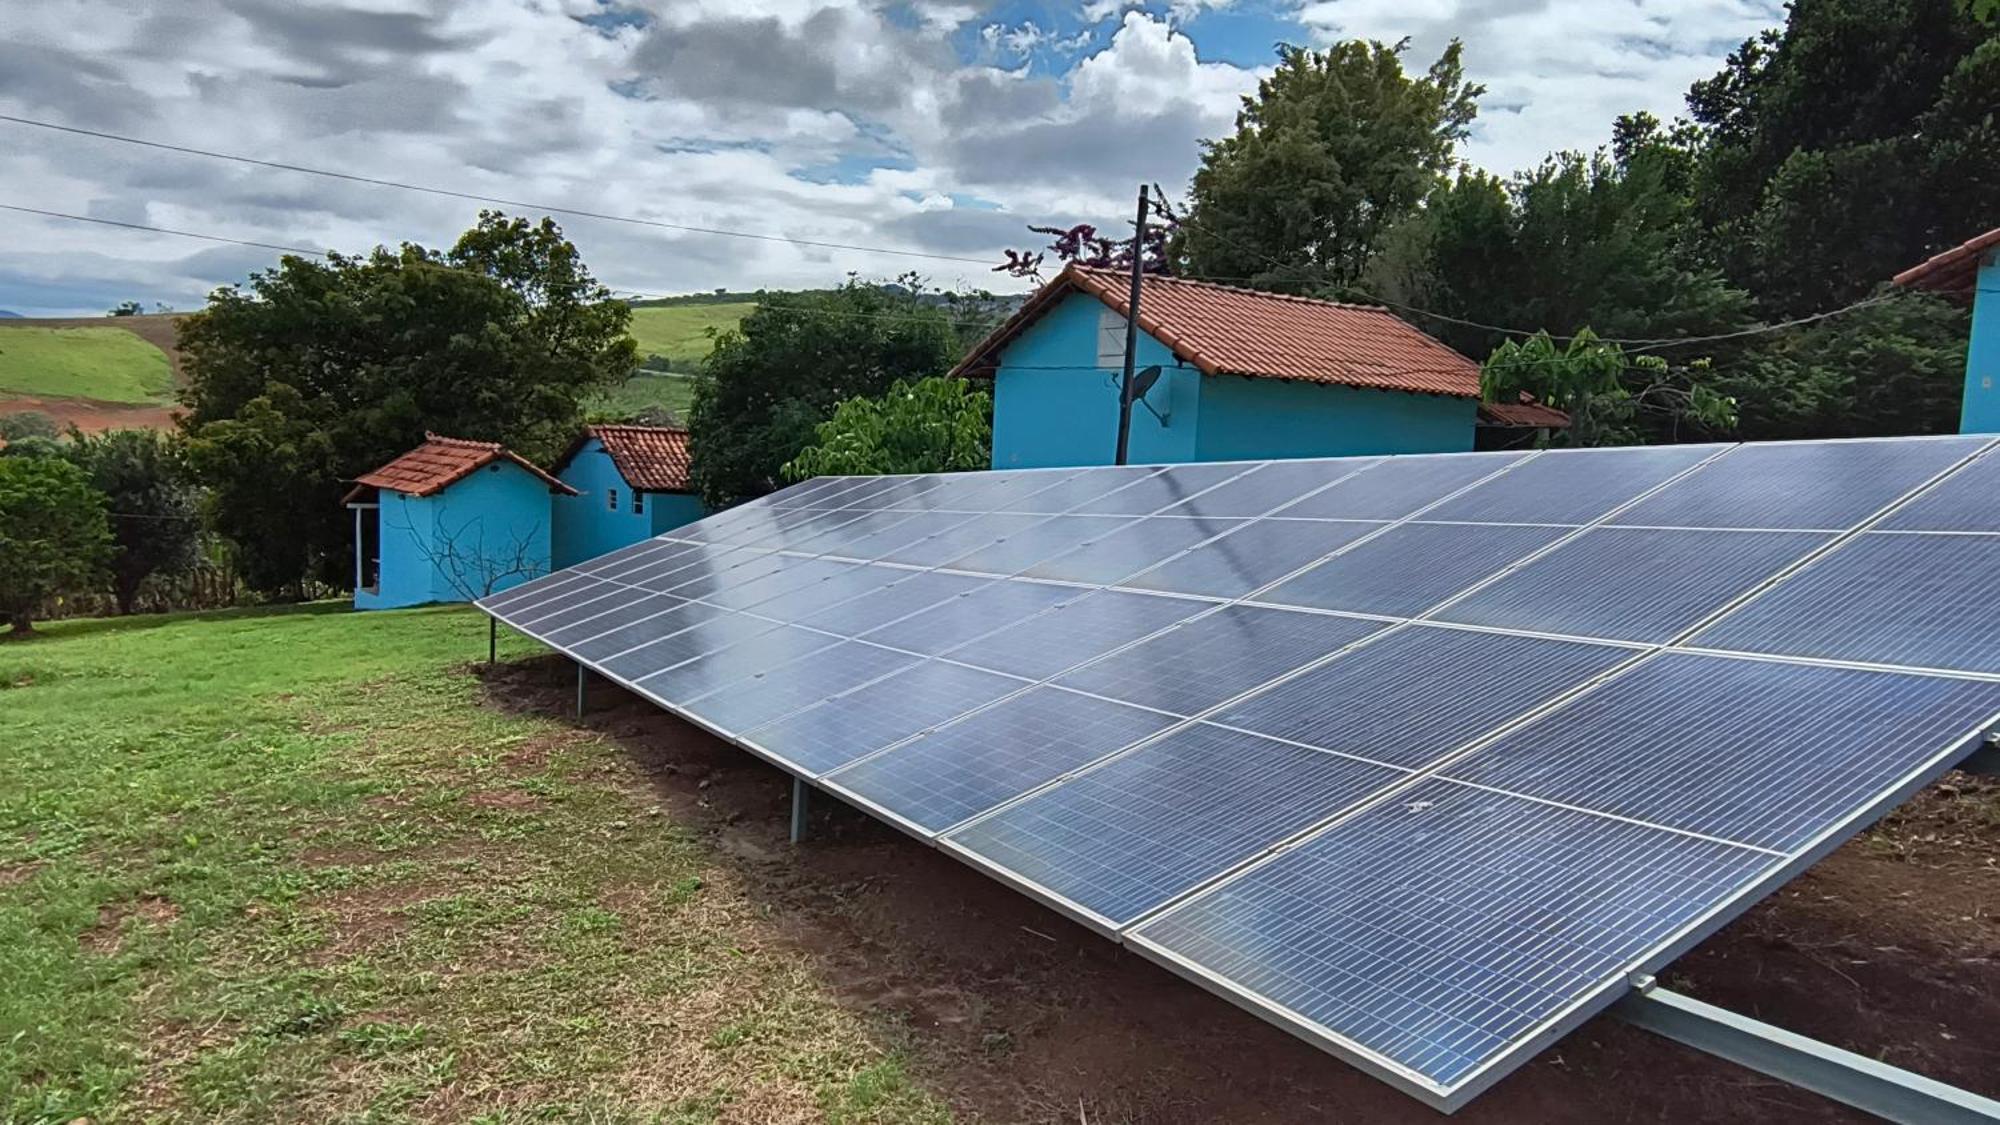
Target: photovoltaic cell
<point x="781" y="690"/>
<point x="1399" y="486"/>
<point x="1572" y="487"/>
<point x="1441" y="927"/>
<point x="750" y="656"/>
<point x="1169" y="487"/>
<point x="964" y="616"/>
<point x="1127" y="836"/>
<point x="568" y="597"/>
<point x="1200" y="663"/>
<point x="907" y="592"/>
<point x="624" y="617"/>
<point x="1968" y="500"/>
<point x="867" y="718"/>
<point x="694" y="639"/>
<point x="1633" y="584"/>
<point x="795" y="574"/>
<point x="936" y="548"/>
<point x="1042" y="540"/>
<point x="1269" y="487"/>
<point x="584" y="616"/>
<point x="1249" y="557"/>
<point x="645" y="629"/>
<point x="1128" y="549"/>
<point x="1071" y="632"/>
<point x="835" y="591"/>
<point x="1799" y="486"/>
<point x="1753" y="751"/>
<point x="1920" y="600"/>
<point x="1078" y="488"/>
<point x="1408" y="569"/>
<point x="1412" y="696"/>
<point x="979" y="761"/>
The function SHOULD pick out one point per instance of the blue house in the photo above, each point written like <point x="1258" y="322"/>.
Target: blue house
<point x="450" y="520"/>
<point x="630" y="483"/>
<point x="1243" y="375"/>
<point x="1971" y="272"/>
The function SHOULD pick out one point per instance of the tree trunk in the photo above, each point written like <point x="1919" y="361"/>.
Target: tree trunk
<point x="126" y="590"/>
<point x="22" y="622"/>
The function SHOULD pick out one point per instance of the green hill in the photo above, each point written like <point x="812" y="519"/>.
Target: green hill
<point x="679" y="334"/>
<point x="102" y="363"/>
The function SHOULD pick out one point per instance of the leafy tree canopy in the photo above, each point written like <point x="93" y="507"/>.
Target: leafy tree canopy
<point x="155" y="505"/>
<point x="1334" y="148"/>
<point x="1611" y="398"/>
<point x="935" y="425"/>
<point x="28" y="424"/>
<point x="319" y="371"/>
<point x="54" y="537"/>
<point x="770" y="382"/>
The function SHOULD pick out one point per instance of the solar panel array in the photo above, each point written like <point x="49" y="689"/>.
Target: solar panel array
<point x="1419" y="757"/>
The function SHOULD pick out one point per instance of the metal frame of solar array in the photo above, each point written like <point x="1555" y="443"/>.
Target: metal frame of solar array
<point x="1421" y="758"/>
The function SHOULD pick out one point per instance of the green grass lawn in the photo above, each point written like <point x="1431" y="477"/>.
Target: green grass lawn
<point x="107" y="364"/>
<point x="674" y="392"/>
<point x="298" y="865"/>
<point x="681" y="332"/>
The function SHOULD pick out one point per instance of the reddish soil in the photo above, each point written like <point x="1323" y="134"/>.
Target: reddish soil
<point x="1890" y="947"/>
<point x="92" y="416"/>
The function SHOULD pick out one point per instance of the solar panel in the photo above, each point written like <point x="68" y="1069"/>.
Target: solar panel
<point x="1411" y="755"/>
<point x="1882" y="598"/>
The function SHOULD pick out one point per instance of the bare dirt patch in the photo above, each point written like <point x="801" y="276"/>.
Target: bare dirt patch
<point x="107" y="935"/>
<point x="363" y="918"/>
<point x="1013" y="1013"/>
<point x="14" y="874"/>
<point x="511" y="800"/>
<point x="92" y="416"/>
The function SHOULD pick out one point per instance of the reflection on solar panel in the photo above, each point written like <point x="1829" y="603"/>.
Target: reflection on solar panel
<point x="1421" y="757"/>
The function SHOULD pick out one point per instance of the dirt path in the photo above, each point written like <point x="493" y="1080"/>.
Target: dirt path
<point x="1888" y="948"/>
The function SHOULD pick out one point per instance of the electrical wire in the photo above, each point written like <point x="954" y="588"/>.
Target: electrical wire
<point x="165" y="230"/>
<point x="475" y="197"/>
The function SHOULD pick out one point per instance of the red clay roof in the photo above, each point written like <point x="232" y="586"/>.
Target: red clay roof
<point x="650" y="458"/>
<point x="441" y="462"/>
<point x="1223" y="330"/>
<point x="1522" y="414"/>
<point x="1954" y="271"/>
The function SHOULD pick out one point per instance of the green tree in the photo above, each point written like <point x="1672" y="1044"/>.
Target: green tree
<point x="1611" y="398"/>
<point x="28" y="424"/>
<point x="154" y="503"/>
<point x="54" y="537"/>
<point x="1851" y="144"/>
<point x="935" y="425"/>
<point x="768" y="383"/>
<point x="1892" y="368"/>
<point x="320" y="371"/>
<point x="1333" y="150"/>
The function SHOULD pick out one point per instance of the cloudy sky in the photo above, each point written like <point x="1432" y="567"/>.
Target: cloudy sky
<point x="933" y="126"/>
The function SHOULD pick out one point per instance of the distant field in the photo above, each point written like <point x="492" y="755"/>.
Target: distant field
<point x="679" y="333"/>
<point x="101" y="363"/>
<point x="674" y="392"/>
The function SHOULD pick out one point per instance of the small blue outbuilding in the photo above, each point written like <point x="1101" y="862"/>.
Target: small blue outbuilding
<point x="631" y="484"/>
<point x="453" y="520"/>
<point x="1244" y="375"/>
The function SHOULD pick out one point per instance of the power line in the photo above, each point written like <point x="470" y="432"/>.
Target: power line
<point x="477" y="198"/>
<point x="165" y="230"/>
<point x="1653" y="344"/>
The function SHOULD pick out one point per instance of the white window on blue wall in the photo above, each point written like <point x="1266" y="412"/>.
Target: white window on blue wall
<point x="1110" y="338"/>
<point x="611" y="499"/>
<point x="638" y="503"/>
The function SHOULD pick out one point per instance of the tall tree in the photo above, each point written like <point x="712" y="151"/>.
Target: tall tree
<point x="1855" y="141"/>
<point x="319" y="371"/>
<point x="155" y="505"/>
<point x="1334" y="148"/>
<point x="931" y="426"/>
<point x="54" y="538"/>
<point x="770" y="382"/>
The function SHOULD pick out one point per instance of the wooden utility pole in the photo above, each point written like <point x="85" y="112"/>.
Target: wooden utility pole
<point x="1131" y="329"/>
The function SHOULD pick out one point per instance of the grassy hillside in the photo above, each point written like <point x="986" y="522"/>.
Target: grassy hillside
<point x="103" y="363"/>
<point x="644" y="392"/>
<point x="679" y="333"/>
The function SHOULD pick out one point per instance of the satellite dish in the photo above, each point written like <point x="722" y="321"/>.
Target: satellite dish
<point x="1144" y="380"/>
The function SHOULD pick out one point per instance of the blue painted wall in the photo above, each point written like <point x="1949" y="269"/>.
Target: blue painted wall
<point x="586" y="526"/>
<point x="1054" y="405"/>
<point x="1980" y="413"/>
<point x="1243" y="419"/>
<point x="487" y="515"/>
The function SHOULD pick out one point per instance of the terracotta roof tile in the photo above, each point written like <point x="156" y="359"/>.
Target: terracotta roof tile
<point x="1522" y="414"/>
<point x="441" y="462"/>
<point x="1955" y="271"/>
<point x="1223" y="330"/>
<point x="650" y="458"/>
